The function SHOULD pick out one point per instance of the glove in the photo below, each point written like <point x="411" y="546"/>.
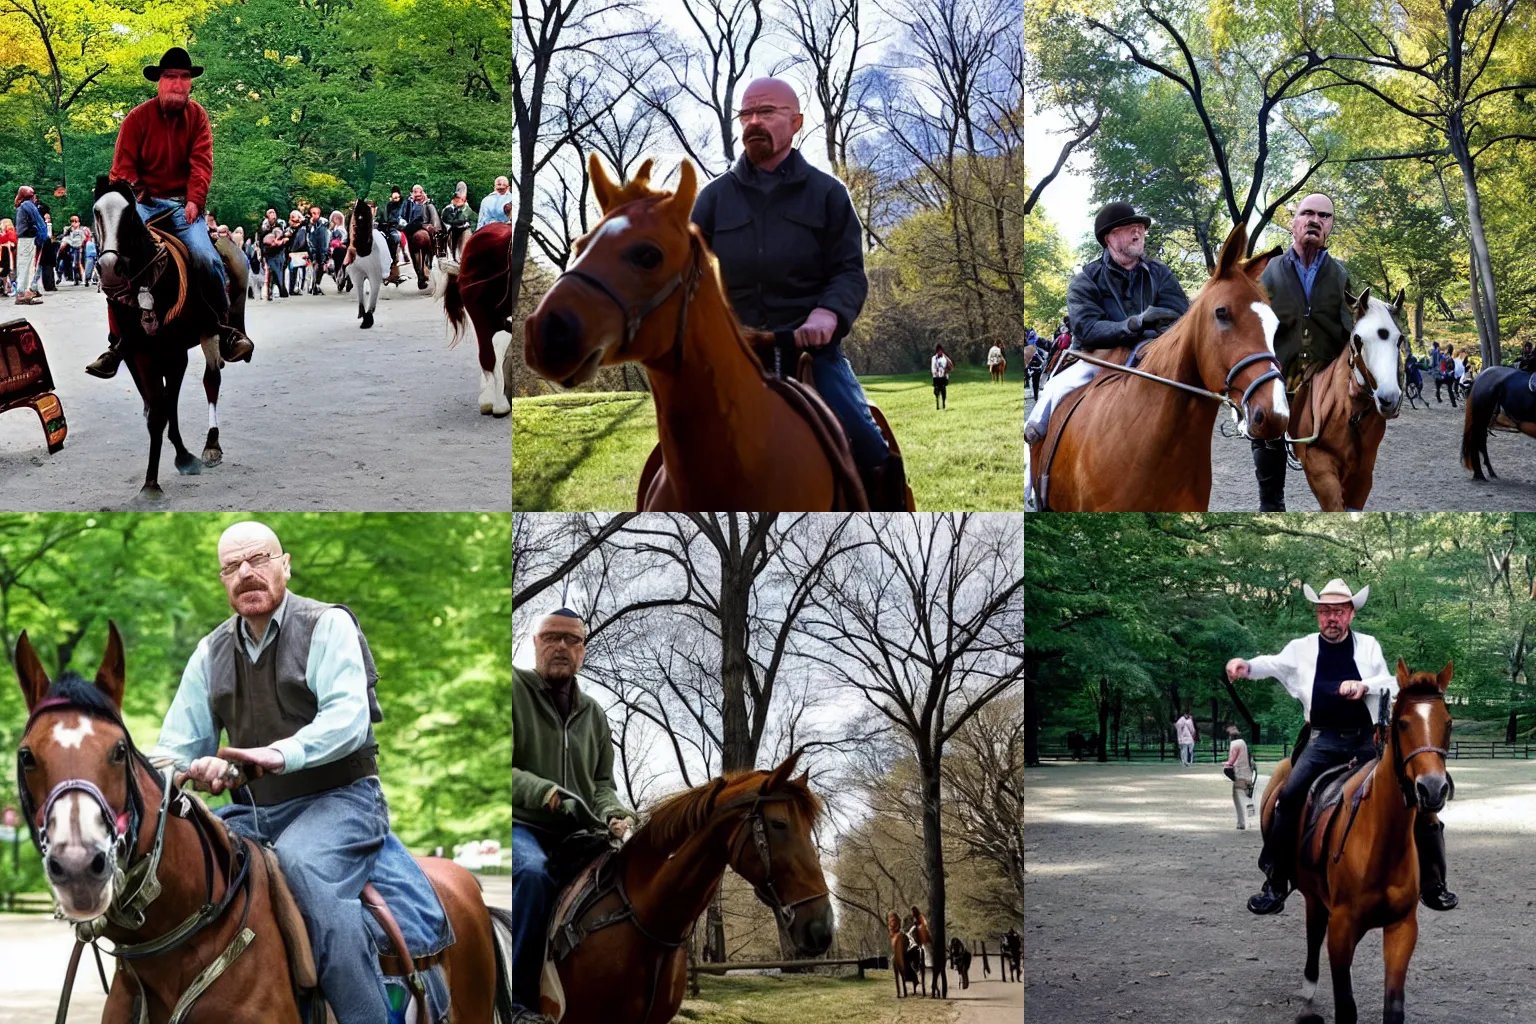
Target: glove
<point x="1156" y="316"/>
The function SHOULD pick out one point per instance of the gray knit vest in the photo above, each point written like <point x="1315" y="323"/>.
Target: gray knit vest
<point x="260" y="702"/>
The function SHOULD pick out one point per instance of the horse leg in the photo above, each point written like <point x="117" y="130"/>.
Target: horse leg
<point x="1323" y="476"/>
<point x="1343" y="937"/>
<point x="1397" y="942"/>
<point x="186" y="463"/>
<point x="155" y="402"/>
<point x="493" y="399"/>
<point x="1317" y="927"/>
<point x="212" y="453"/>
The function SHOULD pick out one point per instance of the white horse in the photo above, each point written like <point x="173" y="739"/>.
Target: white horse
<point x="370" y="261"/>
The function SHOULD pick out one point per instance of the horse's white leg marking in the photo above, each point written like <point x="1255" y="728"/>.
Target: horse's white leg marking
<point x="500" y="341"/>
<point x="74" y="735"/>
<point x="213" y="416"/>
<point x="1308" y="990"/>
<point x="1271" y="323"/>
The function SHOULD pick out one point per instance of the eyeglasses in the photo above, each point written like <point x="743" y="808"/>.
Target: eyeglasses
<point x="761" y="113"/>
<point x="257" y="562"/>
<point x="568" y="639"/>
<point x="1334" y="610"/>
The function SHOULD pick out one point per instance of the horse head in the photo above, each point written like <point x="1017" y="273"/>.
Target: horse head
<point x="1234" y="338"/>
<point x="76" y="776"/>
<point x="643" y="251"/>
<point x="1420" y="737"/>
<point x="1377" y="342"/>
<point x="121" y="237"/>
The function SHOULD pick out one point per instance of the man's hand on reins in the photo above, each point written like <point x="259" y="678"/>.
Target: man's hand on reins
<point x="817" y="329"/>
<point x="1353" y="689"/>
<point x="552" y="799"/>
<point x="191" y="211"/>
<point x="620" y="826"/>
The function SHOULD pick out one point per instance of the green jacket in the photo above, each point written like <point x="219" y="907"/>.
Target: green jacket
<point x="574" y="755"/>
<point x="1309" y="334"/>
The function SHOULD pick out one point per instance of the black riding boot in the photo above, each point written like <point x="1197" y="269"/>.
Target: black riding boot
<point x="1275" y="865"/>
<point x="1269" y="468"/>
<point x="1429" y="837"/>
<point x="107" y="363"/>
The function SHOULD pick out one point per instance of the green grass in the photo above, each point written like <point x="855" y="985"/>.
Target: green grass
<point x="583" y="451"/>
<point x="800" y="999"/>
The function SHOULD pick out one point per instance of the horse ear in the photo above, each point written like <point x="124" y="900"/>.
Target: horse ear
<point x="714" y="795"/>
<point x="1397" y="303"/>
<point x="30" y="672"/>
<point x="602" y="185"/>
<point x="680" y="203"/>
<point x="643" y="175"/>
<point x="1254" y="268"/>
<point x="1362" y="303"/>
<point x="1402" y="673"/>
<point x="1232" y="251"/>
<point x="1444" y="678"/>
<point x="781" y="774"/>
<point x="110" y="676"/>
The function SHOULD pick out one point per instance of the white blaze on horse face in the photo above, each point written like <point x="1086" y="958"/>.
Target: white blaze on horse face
<point x="1271" y="324"/>
<point x="613" y="226"/>
<point x="71" y="737"/>
<point x="1381" y="354"/>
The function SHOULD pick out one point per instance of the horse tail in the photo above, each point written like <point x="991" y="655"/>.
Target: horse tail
<point x="501" y="934"/>
<point x="453" y="305"/>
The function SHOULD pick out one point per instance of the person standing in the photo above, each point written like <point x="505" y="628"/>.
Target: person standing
<point x="298" y="251"/>
<point x="7" y="257"/>
<point x="1184" y="729"/>
<point x="940" y="366"/>
<point x="274" y="247"/>
<point x="1239" y="768"/>
<point x="74" y="241"/>
<point x="29" y="225"/>
<point x="319" y="236"/>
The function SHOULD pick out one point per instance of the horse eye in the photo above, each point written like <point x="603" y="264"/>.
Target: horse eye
<point x="28" y="762"/>
<point x="119" y="753"/>
<point x="1223" y="315"/>
<point x="646" y="257"/>
<point x="1357" y="340"/>
<point x="782" y="826"/>
<point x="1382" y="332"/>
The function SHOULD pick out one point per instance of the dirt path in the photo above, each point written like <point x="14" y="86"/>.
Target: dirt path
<point x="1137" y="880"/>
<point x="34" y="951"/>
<point x="989" y="1001"/>
<point x="325" y="417"/>
<point x="1418" y="468"/>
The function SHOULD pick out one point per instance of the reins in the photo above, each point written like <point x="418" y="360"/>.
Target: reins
<point x="634" y="315"/>
<point x="1239" y="410"/>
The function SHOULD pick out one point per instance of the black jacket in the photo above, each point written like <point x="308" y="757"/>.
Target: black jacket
<point x="788" y="241"/>
<point x="1102" y="295"/>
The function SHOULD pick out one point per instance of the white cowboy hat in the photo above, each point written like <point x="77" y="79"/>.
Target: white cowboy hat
<point x="1336" y="592"/>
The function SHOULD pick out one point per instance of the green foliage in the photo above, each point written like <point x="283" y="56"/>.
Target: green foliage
<point x="1142" y="612"/>
<point x="585" y="450"/>
<point x="432" y="593"/>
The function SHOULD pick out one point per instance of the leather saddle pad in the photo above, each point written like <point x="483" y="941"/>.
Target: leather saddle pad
<point x="1043" y="454"/>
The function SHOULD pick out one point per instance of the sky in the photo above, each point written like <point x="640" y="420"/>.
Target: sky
<point x="1065" y="201"/>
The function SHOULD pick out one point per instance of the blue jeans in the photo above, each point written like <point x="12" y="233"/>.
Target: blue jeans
<point x="275" y="267"/>
<point x="840" y="389"/>
<point x="328" y="844"/>
<point x="199" y="245"/>
<point x="533" y="897"/>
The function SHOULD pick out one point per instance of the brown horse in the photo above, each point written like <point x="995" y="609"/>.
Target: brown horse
<point x="1359" y="868"/>
<point x="645" y="288"/>
<point x="1342" y="411"/>
<point x="482" y="288"/>
<point x="999" y="369"/>
<point x="621" y="929"/>
<point x="1134" y="444"/>
<point x="421" y="243"/>
<point x="898" y="953"/>
<point x="131" y="858"/>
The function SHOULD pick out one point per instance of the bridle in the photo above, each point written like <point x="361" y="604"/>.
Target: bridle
<point x="137" y="883"/>
<point x="767" y="892"/>
<point x="1400" y="761"/>
<point x="634" y="315"/>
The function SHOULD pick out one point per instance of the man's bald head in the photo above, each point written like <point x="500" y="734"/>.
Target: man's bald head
<point x="1312" y="225"/>
<point x="770" y="118"/>
<point x="254" y="569"/>
<point x="248" y="534"/>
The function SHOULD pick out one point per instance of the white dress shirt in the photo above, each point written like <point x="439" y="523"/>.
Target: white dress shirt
<point x="1296" y="668"/>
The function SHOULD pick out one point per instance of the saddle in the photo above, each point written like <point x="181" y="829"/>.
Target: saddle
<point x="398" y="963"/>
<point x="1321" y="811"/>
<point x="585" y="890"/>
<point x="1043" y="454"/>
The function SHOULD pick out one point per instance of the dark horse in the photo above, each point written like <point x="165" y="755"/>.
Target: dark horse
<point x="1498" y="389"/>
<point x="1358" y="866"/>
<point x="135" y="258"/>
<point x="201" y="921"/>
<point x="482" y="288"/>
<point x="420" y="239"/>
<point x="621" y="931"/>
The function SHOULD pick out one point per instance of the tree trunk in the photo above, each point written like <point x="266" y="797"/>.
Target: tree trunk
<point x="738" y="753"/>
<point x="1482" y="265"/>
<point x="1103" y="703"/>
<point x="1511" y="729"/>
<point x="933" y="861"/>
<point x="1241" y="709"/>
<point x="1215" y="749"/>
<point x="1418" y="320"/>
<point x="714" y="931"/>
<point x="1477" y="302"/>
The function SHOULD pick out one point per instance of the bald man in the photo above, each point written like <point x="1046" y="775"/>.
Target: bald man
<point x="290" y="680"/>
<point x="493" y="206"/>
<point x="791" y="256"/>
<point x="1306" y="290"/>
<point x="562" y="781"/>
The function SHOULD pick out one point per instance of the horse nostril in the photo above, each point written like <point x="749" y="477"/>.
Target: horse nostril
<point x="99" y="865"/>
<point x="55" y="868"/>
<point x="1258" y="417"/>
<point x="561" y="336"/>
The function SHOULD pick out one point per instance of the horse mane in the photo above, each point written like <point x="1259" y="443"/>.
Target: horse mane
<point x="677" y="817"/>
<point x="1426" y="687"/>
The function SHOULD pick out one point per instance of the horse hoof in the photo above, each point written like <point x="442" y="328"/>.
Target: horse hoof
<point x="190" y="466"/>
<point x="367" y="321"/>
<point x="212" y="457"/>
<point x="151" y="492"/>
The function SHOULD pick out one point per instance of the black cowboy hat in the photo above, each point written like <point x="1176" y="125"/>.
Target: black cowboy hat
<point x="1115" y="214"/>
<point x="175" y="57"/>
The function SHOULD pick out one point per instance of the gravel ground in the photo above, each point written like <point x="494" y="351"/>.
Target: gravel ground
<point x="1418" y="468"/>
<point x="1137" y="880"/>
<point x="326" y="416"/>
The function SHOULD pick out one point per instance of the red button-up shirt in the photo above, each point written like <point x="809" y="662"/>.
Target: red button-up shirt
<point x="166" y="156"/>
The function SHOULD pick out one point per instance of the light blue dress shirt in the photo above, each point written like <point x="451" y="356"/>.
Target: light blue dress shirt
<point x="334" y="673"/>
<point x="491" y="209"/>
